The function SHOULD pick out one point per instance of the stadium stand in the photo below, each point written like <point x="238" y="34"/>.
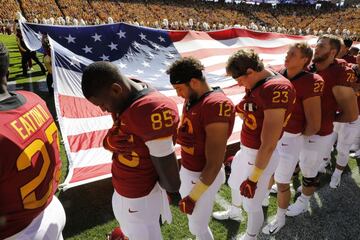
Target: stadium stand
<point x="204" y="15"/>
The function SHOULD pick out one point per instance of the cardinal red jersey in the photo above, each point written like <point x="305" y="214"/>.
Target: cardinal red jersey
<point x="307" y="85"/>
<point x="356" y="70"/>
<point x="212" y="107"/>
<point x="350" y="59"/>
<point x="29" y="162"/>
<point x="270" y="93"/>
<point x="337" y="74"/>
<point x="150" y="116"/>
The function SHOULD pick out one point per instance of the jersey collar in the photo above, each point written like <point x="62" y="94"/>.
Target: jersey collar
<point x="16" y="100"/>
<point x="190" y="104"/>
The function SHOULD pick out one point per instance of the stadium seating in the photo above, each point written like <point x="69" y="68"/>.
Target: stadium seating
<point x="286" y="18"/>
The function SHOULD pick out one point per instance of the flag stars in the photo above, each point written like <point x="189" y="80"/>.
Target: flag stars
<point x="142" y="36"/>
<point x="146" y="64"/>
<point x="87" y="49"/>
<point x="139" y="71"/>
<point x="96" y="37"/>
<point x="169" y="55"/>
<point x="162" y="70"/>
<point x="121" y="34"/>
<point x="113" y="46"/>
<point x="166" y="63"/>
<point x="150" y="55"/>
<point x="161" y="39"/>
<point x="122" y="65"/>
<point x="156" y="47"/>
<point x="104" y="57"/>
<point x="136" y="44"/>
<point x="70" y="39"/>
<point x="75" y="61"/>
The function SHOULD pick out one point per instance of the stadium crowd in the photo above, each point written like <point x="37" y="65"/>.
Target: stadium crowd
<point x="288" y="120"/>
<point x="198" y="15"/>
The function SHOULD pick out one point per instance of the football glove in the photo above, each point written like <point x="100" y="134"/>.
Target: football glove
<point x="247" y="188"/>
<point x="117" y="142"/>
<point x="116" y="234"/>
<point x="187" y="205"/>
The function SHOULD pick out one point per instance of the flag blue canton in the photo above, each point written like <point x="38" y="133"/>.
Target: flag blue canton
<point x="139" y="52"/>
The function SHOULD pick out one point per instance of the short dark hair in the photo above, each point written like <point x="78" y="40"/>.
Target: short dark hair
<point x="348" y="42"/>
<point x="4" y="60"/>
<point x="184" y="69"/>
<point x="98" y="76"/>
<point x="335" y="41"/>
<point x="241" y="61"/>
<point x="354" y="50"/>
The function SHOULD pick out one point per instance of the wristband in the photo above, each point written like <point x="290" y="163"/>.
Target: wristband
<point x="198" y="190"/>
<point x="256" y="173"/>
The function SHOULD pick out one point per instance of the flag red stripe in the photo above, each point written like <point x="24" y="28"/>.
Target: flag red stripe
<point x="237" y="32"/>
<point x="220" y="66"/>
<point x="87" y="140"/>
<point x="86" y="173"/>
<point x="225" y="34"/>
<point x="78" y="107"/>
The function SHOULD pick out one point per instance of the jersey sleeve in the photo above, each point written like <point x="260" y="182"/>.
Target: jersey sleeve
<point x="218" y="110"/>
<point x="154" y="120"/>
<point x="277" y="96"/>
<point x="345" y="76"/>
<point x="313" y="86"/>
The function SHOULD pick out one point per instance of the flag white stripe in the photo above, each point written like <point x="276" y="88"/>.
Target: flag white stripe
<point x="91" y="157"/>
<point x="75" y="126"/>
<point x="193" y="45"/>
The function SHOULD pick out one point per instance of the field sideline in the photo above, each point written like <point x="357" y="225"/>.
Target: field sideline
<point x="334" y="214"/>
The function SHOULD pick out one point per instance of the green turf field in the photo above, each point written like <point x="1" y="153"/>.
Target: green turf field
<point x="88" y="207"/>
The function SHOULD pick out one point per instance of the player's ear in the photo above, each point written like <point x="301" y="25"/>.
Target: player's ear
<point x="193" y="83"/>
<point x="249" y="71"/>
<point x="116" y="90"/>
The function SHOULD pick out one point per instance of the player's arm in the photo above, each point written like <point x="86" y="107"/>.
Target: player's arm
<point x="270" y="134"/>
<point x="312" y="110"/>
<point x="215" y="146"/>
<point x="347" y="102"/>
<point x="164" y="159"/>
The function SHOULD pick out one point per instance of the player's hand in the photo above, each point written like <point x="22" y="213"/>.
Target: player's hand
<point x="187" y="205"/>
<point x="116" y="234"/>
<point x="118" y="142"/>
<point x="247" y="188"/>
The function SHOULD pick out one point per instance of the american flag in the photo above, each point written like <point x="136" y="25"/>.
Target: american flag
<point x="142" y="53"/>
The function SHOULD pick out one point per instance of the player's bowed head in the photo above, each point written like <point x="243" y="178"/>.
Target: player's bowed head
<point x="106" y="87"/>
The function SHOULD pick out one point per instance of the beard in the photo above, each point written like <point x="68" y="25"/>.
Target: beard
<point x="193" y="97"/>
<point x="322" y="58"/>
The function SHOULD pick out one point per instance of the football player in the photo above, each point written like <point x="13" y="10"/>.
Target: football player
<point x="337" y="95"/>
<point x="305" y="121"/>
<point x="207" y="122"/>
<point x="266" y="108"/>
<point x="30" y="165"/>
<point x="141" y="139"/>
<point x="344" y="52"/>
<point x="348" y="133"/>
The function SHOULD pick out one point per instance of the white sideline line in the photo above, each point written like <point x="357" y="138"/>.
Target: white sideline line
<point x="29" y="81"/>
